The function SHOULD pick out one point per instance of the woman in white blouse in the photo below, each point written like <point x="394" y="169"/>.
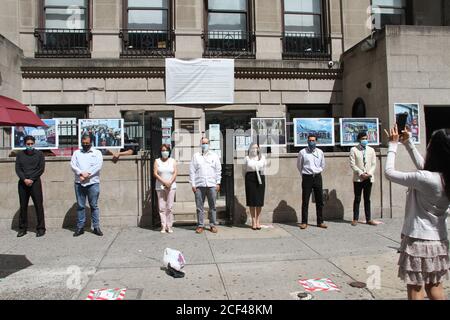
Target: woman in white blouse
<point x="255" y="184"/>
<point x="165" y="172"/>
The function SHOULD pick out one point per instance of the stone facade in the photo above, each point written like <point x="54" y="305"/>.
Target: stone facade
<point x="402" y="66"/>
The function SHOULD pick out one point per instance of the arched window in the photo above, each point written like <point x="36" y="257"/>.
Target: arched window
<point x="359" y="109"/>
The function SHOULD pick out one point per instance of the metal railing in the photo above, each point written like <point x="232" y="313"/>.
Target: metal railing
<point x="236" y="44"/>
<point x="306" y="46"/>
<point x="67" y="43"/>
<point x="147" y="43"/>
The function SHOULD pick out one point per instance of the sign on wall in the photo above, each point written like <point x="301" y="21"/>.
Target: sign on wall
<point x="199" y="81"/>
<point x="412" y="109"/>
<point x="350" y="127"/>
<point x="322" y="128"/>
<point x="46" y="137"/>
<point x="104" y="133"/>
<point x="269" y="132"/>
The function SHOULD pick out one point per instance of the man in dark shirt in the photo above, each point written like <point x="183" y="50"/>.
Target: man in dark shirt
<point x="130" y="147"/>
<point x="30" y="165"/>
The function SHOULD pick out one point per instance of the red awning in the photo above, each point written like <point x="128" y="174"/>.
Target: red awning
<point x="14" y="113"/>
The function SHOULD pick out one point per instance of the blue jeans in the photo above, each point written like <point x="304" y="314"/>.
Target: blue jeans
<point x="91" y="192"/>
<point x="211" y="194"/>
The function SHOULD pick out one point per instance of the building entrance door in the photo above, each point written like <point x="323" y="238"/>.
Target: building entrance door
<point x="150" y="130"/>
<point x="436" y="117"/>
<point x="228" y="132"/>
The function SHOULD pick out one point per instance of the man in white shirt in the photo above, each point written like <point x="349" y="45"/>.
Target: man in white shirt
<point x="205" y="174"/>
<point x="310" y="164"/>
<point x="86" y="165"/>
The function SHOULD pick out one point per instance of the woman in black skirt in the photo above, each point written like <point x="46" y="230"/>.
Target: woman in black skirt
<point x="255" y="184"/>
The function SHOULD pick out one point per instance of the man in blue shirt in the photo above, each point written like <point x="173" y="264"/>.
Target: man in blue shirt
<point x="86" y="165"/>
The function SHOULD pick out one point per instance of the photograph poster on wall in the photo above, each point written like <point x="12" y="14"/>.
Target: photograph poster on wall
<point x="104" y="133"/>
<point x="322" y="128"/>
<point x="351" y="127"/>
<point x="412" y="109"/>
<point x="46" y="137"/>
<point x="269" y="132"/>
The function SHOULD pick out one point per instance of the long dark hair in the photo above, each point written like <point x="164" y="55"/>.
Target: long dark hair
<point x="438" y="156"/>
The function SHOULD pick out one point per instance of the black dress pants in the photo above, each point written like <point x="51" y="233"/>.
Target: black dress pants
<point x="364" y="187"/>
<point x="312" y="183"/>
<point x="35" y="192"/>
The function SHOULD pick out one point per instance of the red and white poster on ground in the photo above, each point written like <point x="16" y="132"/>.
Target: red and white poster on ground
<point x="107" y="294"/>
<point x="319" y="285"/>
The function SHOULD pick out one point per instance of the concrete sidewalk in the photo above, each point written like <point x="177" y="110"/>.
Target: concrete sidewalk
<point x="236" y="263"/>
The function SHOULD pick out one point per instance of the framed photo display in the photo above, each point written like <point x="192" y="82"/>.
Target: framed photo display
<point x="269" y="132"/>
<point x="322" y="128"/>
<point x="104" y="133"/>
<point x="46" y="137"/>
<point x="351" y="127"/>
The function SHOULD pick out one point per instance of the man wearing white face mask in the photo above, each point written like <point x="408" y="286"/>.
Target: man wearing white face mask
<point x="363" y="163"/>
<point x="205" y="174"/>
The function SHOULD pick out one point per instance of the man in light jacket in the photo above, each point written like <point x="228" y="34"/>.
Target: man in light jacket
<point x="363" y="163"/>
<point x="86" y="165"/>
<point x="205" y="174"/>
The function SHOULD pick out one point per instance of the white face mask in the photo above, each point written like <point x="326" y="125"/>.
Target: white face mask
<point x="165" y="154"/>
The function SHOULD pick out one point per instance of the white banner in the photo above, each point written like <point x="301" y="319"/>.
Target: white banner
<point x="200" y="81"/>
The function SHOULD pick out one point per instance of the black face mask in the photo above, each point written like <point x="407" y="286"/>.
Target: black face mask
<point x="86" y="147"/>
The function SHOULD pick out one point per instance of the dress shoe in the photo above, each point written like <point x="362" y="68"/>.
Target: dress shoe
<point x="214" y="229"/>
<point x="21" y="233"/>
<point x="354" y="223"/>
<point x="98" y="232"/>
<point x="40" y="233"/>
<point x="322" y="225"/>
<point x="199" y="230"/>
<point x="371" y="223"/>
<point x="303" y="226"/>
<point x="78" y="232"/>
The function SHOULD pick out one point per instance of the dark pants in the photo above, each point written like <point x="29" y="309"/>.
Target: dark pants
<point x="35" y="192"/>
<point x="358" y="188"/>
<point x="312" y="183"/>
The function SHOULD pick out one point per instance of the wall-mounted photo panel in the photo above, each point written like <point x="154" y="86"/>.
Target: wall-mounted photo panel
<point x="413" y="121"/>
<point x="322" y="128"/>
<point x="269" y="132"/>
<point x="351" y="127"/>
<point x="46" y="137"/>
<point x="104" y="133"/>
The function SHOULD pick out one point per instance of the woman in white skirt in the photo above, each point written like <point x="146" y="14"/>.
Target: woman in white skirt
<point x="165" y="172"/>
<point x="424" y="261"/>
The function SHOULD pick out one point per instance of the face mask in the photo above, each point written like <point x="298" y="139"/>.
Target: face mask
<point x="29" y="148"/>
<point x="205" y="147"/>
<point x="364" y="143"/>
<point x="165" y="154"/>
<point x="86" y="147"/>
<point x="312" y="144"/>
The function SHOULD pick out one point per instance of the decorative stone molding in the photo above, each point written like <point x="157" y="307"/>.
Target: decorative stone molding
<point x="42" y="68"/>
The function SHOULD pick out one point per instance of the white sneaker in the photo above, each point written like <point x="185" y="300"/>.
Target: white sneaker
<point x="163" y="230"/>
<point x="170" y="230"/>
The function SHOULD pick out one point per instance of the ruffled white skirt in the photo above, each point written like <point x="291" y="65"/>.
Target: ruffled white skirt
<point x="423" y="261"/>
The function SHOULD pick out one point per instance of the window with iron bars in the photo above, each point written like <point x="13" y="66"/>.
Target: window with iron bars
<point x="64" y="29"/>
<point x="148" y="29"/>
<point x="305" y="35"/>
<point x="228" y="29"/>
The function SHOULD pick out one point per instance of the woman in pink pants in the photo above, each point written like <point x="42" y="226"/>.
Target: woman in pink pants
<point x="165" y="172"/>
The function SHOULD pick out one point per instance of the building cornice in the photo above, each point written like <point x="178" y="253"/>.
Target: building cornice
<point x="147" y="68"/>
